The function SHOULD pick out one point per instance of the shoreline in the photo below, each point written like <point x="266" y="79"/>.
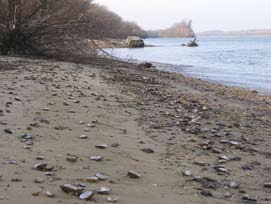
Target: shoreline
<point x="226" y="84"/>
<point x="190" y="124"/>
<point x="241" y="74"/>
<point x="166" y="66"/>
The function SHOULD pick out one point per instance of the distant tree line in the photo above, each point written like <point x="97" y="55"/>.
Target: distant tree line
<point x="50" y="27"/>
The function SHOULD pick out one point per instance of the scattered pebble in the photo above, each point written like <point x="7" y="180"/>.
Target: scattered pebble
<point x="9" y="131"/>
<point x="69" y="188"/>
<point x="101" y="176"/>
<point x="233" y="184"/>
<point x="133" y="174"/>
<point x="112" y="200"/>
<point x="88" y="195"/>
<point x="104" y="190"/>
<point x="50" y="194"/>
<point x="187" y="173"/>
<point x="147" y="150"/>
<point x="72" y="158"/>
<point x="96" y="158"/>
<point x="39" y="180"/>
<point x="101" y="146"/>
<point x="40" y="166"/>
<point x="92" y="179"/>
<point x="83" y="136"/>
<point x="267" y="185"/>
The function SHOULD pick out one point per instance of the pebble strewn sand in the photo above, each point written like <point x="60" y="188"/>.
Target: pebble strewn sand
<point x="132" y="134"/>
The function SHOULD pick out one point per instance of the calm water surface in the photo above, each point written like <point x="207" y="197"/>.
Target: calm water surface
<point x="238" y="61"/>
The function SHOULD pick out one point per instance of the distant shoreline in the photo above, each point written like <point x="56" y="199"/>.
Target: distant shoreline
<point x="238" y="33"/>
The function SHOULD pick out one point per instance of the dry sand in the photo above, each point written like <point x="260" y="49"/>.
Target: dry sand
<point x="188" y="123"/>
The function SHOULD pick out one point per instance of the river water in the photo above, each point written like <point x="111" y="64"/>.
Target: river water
<point x="236" y="61"/>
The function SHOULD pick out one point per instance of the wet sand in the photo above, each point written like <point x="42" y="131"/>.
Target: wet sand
<point x="202" y="136"/>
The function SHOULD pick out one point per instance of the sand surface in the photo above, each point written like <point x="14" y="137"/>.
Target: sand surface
<point x="204" y="136"/>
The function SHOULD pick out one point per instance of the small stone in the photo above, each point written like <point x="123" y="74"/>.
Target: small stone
<point x="204" y="108"/>
<point x="101" y="176"/>
<point x="88" y="195"/>
<point x="112" y="200"/>
<point x="39" y="180"/>
<point x="40" y="158"/>
<point x="49" y="168"/>
<point x="69" y="188"/>
<point x="72" y="158"/>
<point x="227" y="195"/>
<point x="187" y="173"/>
<point x="14" y="162"/>
<point x="50" y="194"/>
<point x="217" y="150"/>
<point x="91" y="125"/>
<point x="9" y="131"/>
<point x="83" y="185"/>
<point x="104" y="190"/>
<point x="115" y="145"/>
<point x="221" y="169"/>
<point x="249" y="198"/>
<point x="92" y="179"/>
<point x="224" y="141"/>
<point x="206" y="193"/>
<point x="46" y="109"/>
<point x="83" y="137"/>
<point x="224" y="158"/>
<point x="16" y="180"/>
<point x="233" y="184"/>
<point x="35" y="194"/>
<point x="17" y="99"/>
<point x="133" y="174"/>
<point x="147" y="150"/>
<point x="27" y="136"/>
<point x="234" y="143"/>
<point x="40" y="166"/>
<point x="96" y="158"/>
<point x="49" y="174"/>
<point x="102" y="146"/>
<point x="267" y="185"/>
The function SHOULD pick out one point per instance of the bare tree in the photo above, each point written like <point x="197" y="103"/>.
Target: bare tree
<point x="43" y="26"/>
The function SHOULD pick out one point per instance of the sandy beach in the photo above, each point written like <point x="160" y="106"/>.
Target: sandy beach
<point x="188" y="140"/>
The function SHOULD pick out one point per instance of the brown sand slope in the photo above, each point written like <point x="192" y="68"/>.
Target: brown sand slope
<point x="187" y="122"/>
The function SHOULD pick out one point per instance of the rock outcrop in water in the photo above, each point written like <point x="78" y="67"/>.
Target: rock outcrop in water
<point x="134" y="42"/>
<point x="182" y="29"/>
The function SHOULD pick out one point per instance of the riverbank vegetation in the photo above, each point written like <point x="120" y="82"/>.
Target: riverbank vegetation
<point x="58" y="27"/>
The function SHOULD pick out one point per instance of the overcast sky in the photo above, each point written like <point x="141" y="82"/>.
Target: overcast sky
<point x="206" y="14"/>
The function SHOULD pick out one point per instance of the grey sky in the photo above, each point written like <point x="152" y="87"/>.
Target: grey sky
<point x="206" y="14"/>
